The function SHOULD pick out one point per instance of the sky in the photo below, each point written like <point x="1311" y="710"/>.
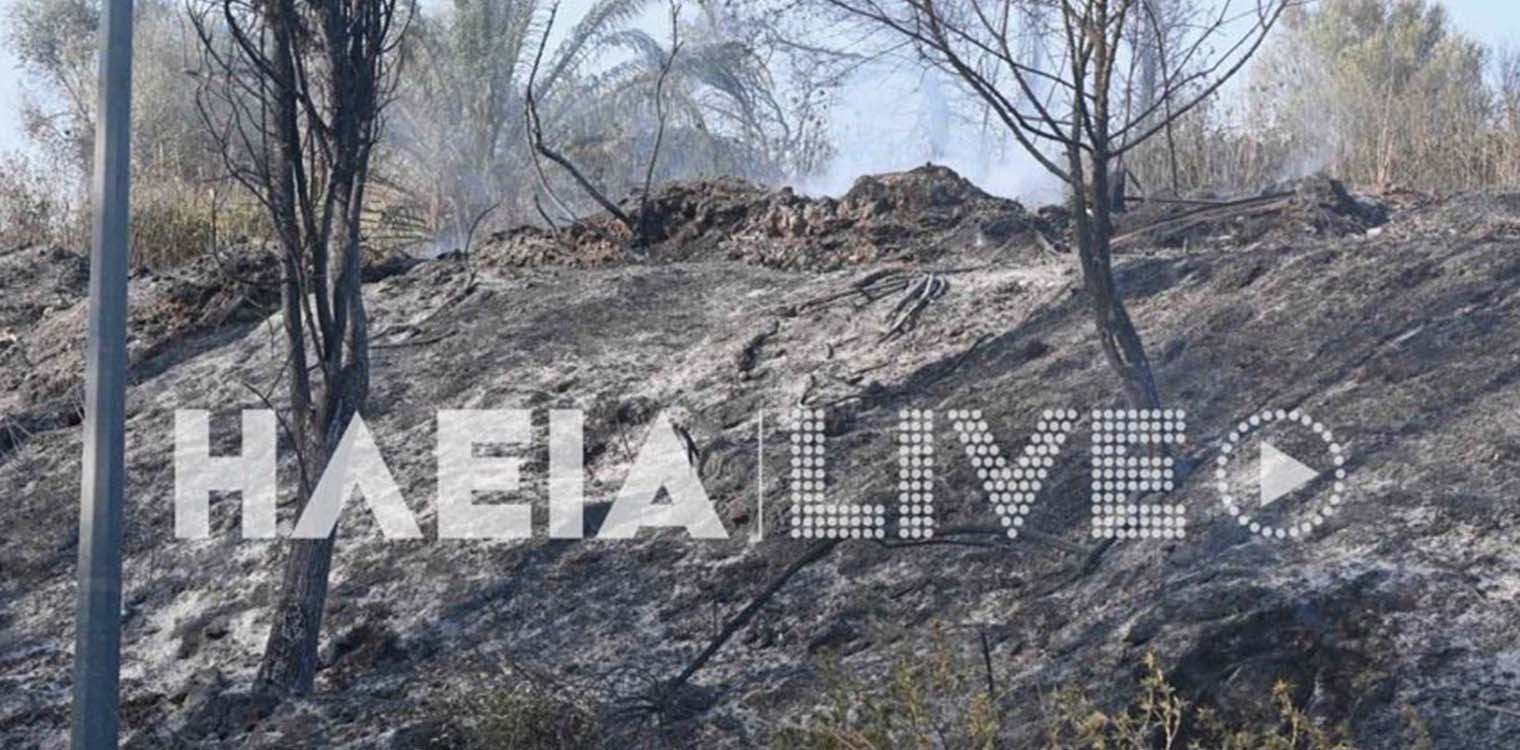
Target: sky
<point x="874" y="120"/>
<point x="1493" y="22"/>
<point x="10" y="127"/>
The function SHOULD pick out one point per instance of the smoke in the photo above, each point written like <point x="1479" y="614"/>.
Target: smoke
<point x="892" y="117"/>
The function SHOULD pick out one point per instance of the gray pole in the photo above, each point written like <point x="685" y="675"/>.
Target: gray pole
<point x="97" y="644"/>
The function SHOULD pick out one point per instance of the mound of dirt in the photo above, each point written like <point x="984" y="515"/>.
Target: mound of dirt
<point x="42" y="317"/>
<point x="918" y="215"/>
<point x="165" y="311"/>
<point x="1306" y="208"/>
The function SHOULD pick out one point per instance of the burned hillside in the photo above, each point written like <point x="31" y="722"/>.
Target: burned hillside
<point x="1391" y="319"/>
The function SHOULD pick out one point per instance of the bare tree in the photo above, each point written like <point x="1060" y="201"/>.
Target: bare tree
<point x="295" y="93"/>
<point x="1507" y="117"/>
<point x="1068" y="112"/>
<point x="637" y="224"/>
<point x="53" y="42"/>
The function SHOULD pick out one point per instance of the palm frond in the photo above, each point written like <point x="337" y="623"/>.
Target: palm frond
<point x="604" y="17"/>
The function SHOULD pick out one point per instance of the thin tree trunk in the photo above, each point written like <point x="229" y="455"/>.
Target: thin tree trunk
<point x="290" y="655"/>
<point x="1122" y="346"/>
<point x="1093" y="229"/>
<point x="310" y="168"/>
<point x="332" y="247"/>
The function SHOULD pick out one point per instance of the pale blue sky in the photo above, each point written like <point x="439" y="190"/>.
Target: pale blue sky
<point x="1495" y="22"/>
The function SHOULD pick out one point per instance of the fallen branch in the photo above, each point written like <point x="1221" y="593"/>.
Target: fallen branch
<point x="1501" y="710"/>
<point x="987" y="664"/>
<point x="920" y="293"/>
<point x="413" y="342"/>
<point x="1208" y="212"/>
<point x="536" y="136"/>
<point x="872" y="287"/>
<point x="876" y="285"/>
<point x="663" y="692"/>
<point x="882" y="393"/>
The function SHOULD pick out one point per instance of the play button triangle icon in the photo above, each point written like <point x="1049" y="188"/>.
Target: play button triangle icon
<point x="1281" y="474"/>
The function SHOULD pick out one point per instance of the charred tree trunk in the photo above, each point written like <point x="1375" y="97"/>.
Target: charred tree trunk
<point x="317" y="74"/>
<point x="1093" y="230"/>
<point x="290" y="655"/>
<point x="335" y="253"/>
<point x="1118" y="187"/>
<point x="289" y="664"/>
<point x="1121" y="343"/>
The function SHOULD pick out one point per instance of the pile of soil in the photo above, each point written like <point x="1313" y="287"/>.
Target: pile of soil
<point x="1311" y="207"/>
<point x="918" y="215"/>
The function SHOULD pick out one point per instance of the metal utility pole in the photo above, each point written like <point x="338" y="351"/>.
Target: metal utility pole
<point x="97" y="644"/>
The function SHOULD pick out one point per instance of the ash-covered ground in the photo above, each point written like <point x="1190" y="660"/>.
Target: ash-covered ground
<point x="1394" y="321"/>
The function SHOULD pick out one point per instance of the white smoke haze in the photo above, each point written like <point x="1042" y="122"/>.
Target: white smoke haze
<point x="888" y="117"/>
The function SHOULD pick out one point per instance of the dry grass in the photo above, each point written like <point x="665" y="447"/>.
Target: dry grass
<point x="506" y="708"/>
<point x="938" y="700"/>
<point x="173" y="224"/>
